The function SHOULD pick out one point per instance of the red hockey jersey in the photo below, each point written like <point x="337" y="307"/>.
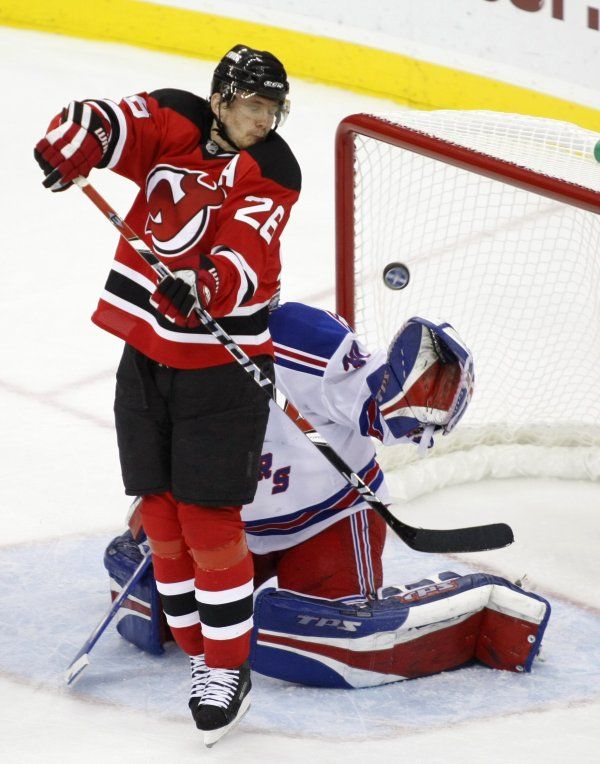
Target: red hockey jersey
<point x="195" y="199"/>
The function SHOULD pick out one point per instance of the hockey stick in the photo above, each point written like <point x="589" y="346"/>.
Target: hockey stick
<point x="473" y="539"/>
<point x="81" y="660"/>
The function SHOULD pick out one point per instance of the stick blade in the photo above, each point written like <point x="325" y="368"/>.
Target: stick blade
<point x="479" y="538"/>
<point x="75" y="669"/>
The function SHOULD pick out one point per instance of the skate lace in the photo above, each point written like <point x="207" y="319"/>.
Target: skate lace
<point x="221" y="687"/>
<point x="199" y="675"/>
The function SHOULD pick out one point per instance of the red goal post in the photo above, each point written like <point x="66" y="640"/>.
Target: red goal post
<point x="497" y="219"/>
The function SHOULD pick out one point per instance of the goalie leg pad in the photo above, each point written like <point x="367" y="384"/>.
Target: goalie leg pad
<point x="513" y="625"/>
<point x="140" y="620"/>
<point x="414" y="632"/>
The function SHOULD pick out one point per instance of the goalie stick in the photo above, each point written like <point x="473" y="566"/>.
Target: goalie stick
<point x="81" y="660"/>
<point x="472" y="539"/>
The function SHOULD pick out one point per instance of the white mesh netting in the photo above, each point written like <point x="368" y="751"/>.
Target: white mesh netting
<point x="516" y="273"/>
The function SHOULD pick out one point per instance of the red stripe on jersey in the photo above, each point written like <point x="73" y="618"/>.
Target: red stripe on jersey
<point x="351" y="497"/>
<point x="287" y="353"/>
<point x="304" y="519"/>
<point x="179" y="355"/>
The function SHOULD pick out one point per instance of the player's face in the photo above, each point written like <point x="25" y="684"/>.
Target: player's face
<point x="248" y="119"/>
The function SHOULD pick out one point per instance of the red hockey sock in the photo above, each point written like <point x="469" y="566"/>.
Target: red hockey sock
<point x="224" y="580"/>
<point x="173" y="571"/>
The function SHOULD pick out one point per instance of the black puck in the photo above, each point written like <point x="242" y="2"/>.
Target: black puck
<point x="396" y="276"/>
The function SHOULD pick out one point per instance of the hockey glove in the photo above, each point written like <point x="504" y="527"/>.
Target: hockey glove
<point x="176" y="296"/>
<point x="427" y="381"/>
<point x="76" y="141"/>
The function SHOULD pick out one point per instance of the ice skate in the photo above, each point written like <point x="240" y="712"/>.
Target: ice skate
<point x="200" y="673"/>
<point x="225" y="700"/>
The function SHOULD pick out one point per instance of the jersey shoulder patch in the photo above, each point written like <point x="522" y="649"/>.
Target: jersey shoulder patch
<point x="277" y="161"/>
<point x="309" y="330"/>
<point x="194" y="108"/>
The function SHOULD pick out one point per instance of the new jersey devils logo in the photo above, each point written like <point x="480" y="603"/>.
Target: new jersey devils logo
<point x="180" y="203"/>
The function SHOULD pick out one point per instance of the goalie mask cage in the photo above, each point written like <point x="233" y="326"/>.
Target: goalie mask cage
<point x="497" y="218"/>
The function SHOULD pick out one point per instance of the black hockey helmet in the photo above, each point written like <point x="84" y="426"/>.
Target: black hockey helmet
<point x="252" y="72"/>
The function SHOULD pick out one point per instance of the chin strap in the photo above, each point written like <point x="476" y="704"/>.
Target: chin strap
<point x="222" y="131"/>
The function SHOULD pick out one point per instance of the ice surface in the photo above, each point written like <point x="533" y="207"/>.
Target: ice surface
<point x="62" y="496"/>
<point x="39" y="610"/>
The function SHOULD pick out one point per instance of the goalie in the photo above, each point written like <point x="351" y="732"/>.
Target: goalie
<point x="330" y="622"/>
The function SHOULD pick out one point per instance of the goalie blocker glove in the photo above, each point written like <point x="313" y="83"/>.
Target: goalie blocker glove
<point x="427" y="382"/>
<point x="76" y="142"/>
<point x="176" y="296"/>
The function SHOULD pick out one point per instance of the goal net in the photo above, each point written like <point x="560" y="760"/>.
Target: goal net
<point x="496" y="218"/>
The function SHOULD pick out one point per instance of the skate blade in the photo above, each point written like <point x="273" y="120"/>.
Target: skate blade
<point x="75" y="669"/>
<point x="213" y="736"/>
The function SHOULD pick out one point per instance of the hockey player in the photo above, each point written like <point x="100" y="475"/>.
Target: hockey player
<point x="330" y="623"/>
<point x="217" y="184"/>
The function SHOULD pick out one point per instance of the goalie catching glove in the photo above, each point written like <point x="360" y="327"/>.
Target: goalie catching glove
<point x="76" y="142"/>
<point x="177" y="296"/>
<point x="427" y="382"/>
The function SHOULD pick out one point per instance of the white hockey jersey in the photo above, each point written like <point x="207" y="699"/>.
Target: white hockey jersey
<point x="322" y="369"/>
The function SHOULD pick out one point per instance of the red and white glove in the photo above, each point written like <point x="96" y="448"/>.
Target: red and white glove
<point x="76" y="141"/>
<point x="176" y="296"/>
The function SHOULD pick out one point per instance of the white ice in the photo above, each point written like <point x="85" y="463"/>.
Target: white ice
<point x="62" y="497"/>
